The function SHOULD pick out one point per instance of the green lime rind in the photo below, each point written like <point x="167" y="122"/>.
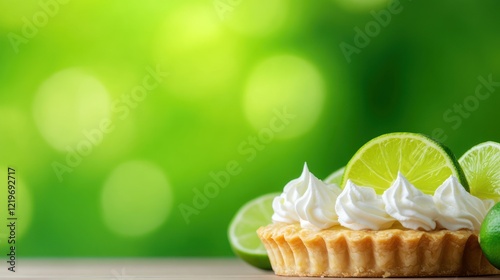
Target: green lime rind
<point x="489" y="236"/>
<point x="461" y="174"/>
<point x="377" y="163"/>
<point x="242" y="231"/>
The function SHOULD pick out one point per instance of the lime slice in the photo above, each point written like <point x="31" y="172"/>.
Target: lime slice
<point x="335" y="177"/>
<point x="481" y="165"/>
<point x="489" y="236"/>
<point x="243" y="230"/>
<point x="425" y="162"/>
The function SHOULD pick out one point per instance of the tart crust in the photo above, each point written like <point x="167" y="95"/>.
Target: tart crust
<point x="341" y="252"/>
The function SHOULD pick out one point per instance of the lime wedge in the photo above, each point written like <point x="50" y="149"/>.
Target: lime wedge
<point x="335" y="177"/>
<point x="243" y="230"/>
<point x="425" y="162"/>
<point x="481" y="165"/>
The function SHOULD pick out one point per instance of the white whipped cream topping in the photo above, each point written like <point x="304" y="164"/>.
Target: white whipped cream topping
<point x="457" y="208"/>
<point x="361" y="208"/>
<point x="411" y="207"/>
<point x="309" y="201"/>
<point x="284" y="205"/>
<point x="316" y="208"/>
<point x="316" y="205"/>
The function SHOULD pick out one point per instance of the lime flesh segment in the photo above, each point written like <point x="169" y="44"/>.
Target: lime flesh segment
<point x="481" y="165"/>
<point x="335" y="177"/>
<point x="242" y="231"/>
<point x="425" y="162"/>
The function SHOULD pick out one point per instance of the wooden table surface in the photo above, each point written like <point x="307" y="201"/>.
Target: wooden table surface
<point x="122" y="269"/>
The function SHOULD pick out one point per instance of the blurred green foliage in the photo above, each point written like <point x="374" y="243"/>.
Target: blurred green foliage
<point x="114" y="160"/>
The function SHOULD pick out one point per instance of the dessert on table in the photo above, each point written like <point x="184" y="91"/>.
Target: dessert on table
<point x="402" y="207"/>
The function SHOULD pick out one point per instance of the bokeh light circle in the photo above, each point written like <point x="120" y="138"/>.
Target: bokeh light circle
<point x="67" y="104"/>
<point x="191" y="26"/>
<point x="203" y="62"/>
<point x="280" y="86"/>
<point x="136" y="198"/>
<point x="256" y="17"/>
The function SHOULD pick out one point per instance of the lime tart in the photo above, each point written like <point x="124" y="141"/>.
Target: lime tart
<point x="403" y="210"/>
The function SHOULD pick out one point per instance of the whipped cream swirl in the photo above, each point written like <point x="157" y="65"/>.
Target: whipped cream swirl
<point x="309" y="201"/>
<point x="317" y="205"/>
<point x="457" y="208"/>
<point x="284" y="205"/>
<point x="411" y="207"/>
<point x="361" y="208"/>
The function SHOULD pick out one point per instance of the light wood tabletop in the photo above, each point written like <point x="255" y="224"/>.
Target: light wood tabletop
<point x="123" y="269"/>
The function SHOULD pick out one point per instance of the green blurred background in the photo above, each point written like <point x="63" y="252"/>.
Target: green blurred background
<point x="119" y="116"/>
